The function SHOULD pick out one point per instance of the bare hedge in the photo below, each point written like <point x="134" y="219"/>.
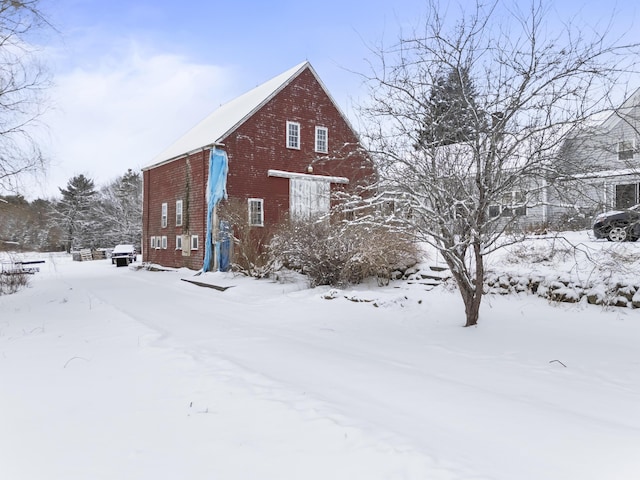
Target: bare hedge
<point x="342" y="253"/>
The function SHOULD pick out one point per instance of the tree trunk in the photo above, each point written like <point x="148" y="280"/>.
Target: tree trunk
<point x="473" y="297"/>
<point x="469" y="282"/>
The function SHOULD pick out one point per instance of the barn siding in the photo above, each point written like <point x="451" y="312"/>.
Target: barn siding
<point x="183" y="179"/>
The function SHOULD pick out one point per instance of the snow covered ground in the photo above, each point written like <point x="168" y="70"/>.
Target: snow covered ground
<point x="118" y="373"/>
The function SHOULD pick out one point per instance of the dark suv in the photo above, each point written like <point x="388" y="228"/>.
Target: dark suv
<point x="618" y="225"/>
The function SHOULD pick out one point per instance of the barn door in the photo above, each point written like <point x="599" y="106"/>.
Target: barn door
<point x="308" y="197"/>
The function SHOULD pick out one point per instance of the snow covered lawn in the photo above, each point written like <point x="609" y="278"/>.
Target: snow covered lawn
<point x="118" y="373"/>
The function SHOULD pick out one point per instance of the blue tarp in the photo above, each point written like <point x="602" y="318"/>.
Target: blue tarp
<point x="216" y="191"/>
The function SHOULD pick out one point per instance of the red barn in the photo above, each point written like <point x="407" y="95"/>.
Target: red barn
<point x="286" y="145"/>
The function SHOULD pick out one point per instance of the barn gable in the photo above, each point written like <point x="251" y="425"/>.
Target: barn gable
<point x="228" y="117"/>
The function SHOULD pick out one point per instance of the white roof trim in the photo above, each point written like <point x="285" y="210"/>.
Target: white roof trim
<point x="317" y="178"/>
<point x="605" y="174"/>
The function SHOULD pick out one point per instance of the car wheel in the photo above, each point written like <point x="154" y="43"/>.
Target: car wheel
<point x="617" y="234"/>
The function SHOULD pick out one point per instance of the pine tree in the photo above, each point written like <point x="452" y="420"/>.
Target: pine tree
<point x="452" y="115"/>
<point x="74" y="212"/>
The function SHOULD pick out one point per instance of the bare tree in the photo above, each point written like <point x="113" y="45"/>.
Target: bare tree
<point x="23" y="80"/>
<point x="527" y="88"/>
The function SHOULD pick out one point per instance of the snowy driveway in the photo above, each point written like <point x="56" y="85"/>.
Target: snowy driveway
<point x="115" y="373"/>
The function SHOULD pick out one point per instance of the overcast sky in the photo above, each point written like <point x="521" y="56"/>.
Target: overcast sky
<point x="131" y="76"/>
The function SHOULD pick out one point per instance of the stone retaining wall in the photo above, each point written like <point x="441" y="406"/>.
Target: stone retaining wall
<point x="563" y="290"/>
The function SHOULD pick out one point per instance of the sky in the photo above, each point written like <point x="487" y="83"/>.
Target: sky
<point x="130" y="77"/>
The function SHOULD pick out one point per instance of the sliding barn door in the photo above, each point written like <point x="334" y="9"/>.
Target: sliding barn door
<point x="308" y="197"/>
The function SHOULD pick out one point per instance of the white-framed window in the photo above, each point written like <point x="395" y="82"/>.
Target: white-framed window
<point x="178" y="213"/>
<point x="163" y="220"/>
<point x="513" y="204"/>
<point x="178" y="242"/>
<point x="293" y="135"/>
<point x="256" y="212"/>
<point x="322" y="139"/>
<point x="164" y="242"/>
<point x="194" y="242"/>
<point x="153" y="242"/>
<point x="626" y="149"/>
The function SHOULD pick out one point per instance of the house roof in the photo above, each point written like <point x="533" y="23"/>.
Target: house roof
<point x="228" y="117"/>
<point x="604" y="121"/>
<point x="623" y="111"/>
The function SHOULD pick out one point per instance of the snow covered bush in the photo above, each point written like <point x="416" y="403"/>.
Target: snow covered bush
<point x="342" y="253"/>
<point x="11" y="283"/>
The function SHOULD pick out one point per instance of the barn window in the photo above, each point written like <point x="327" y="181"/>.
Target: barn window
<point x="178" y="242"/>
<point x="322" y="136"/>
<point x="293" y="135"/>
<point x="178" y="213"/>
<point x="625" y="150"/>
<point x="194" y="242"/>
<point x="163" y="220"/>
<point x="256" y="212"/>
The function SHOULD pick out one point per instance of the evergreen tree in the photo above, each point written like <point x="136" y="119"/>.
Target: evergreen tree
<point x="452" y="115"/>
<point x="74" y="212"/>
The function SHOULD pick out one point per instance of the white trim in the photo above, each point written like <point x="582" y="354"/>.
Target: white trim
<point x="178" y="242"/>
<point x="179" y="202"/>
<point x="326" y="139"/>
<point x="256" y="201"/>
<point x="288" y="135"/>
<point x="317" y="178"/>
<point x="164" y="215"/>
<point x="194" y="239"/>
<point x="164" y="242"/>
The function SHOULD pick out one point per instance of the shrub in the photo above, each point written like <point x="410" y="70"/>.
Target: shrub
<point x="12" y="282"/>
<point x="342" y="253"/>
<point x="250" y="255"/>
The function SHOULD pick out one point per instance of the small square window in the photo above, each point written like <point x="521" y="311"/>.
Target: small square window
<point x="178" y="213"/>
<point x="293" y="135"/>
<point x="626" y="150"/>
<point x="163" y="220"/>
<point x="178" y="242"/>
<point x="256" y="212"/>
<point x="194" y="242"/>
<point x="322" y="139"/>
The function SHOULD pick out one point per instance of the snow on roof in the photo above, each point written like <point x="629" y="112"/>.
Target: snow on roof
<point x="227" y="117"/>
